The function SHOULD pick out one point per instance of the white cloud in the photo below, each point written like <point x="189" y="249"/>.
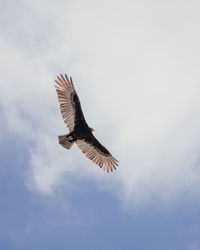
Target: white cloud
<point x="136" y="69"/>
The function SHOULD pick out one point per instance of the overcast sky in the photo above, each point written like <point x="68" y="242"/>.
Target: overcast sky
<point x="135" y="66"/>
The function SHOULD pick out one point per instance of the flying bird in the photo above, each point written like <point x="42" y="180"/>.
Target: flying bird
<point x="79" y="131"/>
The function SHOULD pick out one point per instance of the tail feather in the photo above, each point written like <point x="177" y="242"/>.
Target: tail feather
<point x="64" y="141"/>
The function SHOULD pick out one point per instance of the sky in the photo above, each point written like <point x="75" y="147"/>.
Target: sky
<point x="135" y="66"/>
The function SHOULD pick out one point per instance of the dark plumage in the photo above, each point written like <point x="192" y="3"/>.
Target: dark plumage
<point x="79" y="131"/>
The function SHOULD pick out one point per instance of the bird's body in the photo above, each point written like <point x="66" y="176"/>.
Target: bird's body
<point x="80" y="132"/>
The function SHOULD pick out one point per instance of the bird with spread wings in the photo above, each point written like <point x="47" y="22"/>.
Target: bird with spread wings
<point x="79" y="132"/>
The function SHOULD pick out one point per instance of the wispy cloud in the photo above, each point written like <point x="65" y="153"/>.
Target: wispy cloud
<point x="137" y="74"/>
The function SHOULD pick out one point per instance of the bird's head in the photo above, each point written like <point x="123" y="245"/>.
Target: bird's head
<point x="92" y="129"/>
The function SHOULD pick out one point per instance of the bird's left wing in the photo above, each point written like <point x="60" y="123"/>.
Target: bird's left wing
<point x="96" y="152"/>
<point x="65" y="90"/>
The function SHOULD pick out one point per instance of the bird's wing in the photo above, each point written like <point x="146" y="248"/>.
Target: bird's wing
<point x="96" y="152"/>
<point x="69" y="102"/>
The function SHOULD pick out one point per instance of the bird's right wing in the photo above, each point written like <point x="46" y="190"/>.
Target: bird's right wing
<point x="66" y="92"/>
<point x="96" y="152"/>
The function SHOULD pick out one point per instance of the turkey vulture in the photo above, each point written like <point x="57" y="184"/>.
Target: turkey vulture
<point x="79" y="132"/>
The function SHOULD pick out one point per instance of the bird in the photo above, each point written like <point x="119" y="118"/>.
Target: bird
<point x="79" y="131"/>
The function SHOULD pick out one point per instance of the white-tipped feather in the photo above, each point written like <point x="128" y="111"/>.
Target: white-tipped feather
<point x="107" y="162"/>
<point x="64" y="90"/>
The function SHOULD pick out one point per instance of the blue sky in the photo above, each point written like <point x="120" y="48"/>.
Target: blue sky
<point x="135" y="65"/>
<point x="87" y="218"/>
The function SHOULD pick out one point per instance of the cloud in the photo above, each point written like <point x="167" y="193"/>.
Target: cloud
<point x="137" y="74"/>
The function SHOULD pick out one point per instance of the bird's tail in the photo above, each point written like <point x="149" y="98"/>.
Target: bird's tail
<point x="65" y="142"/>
